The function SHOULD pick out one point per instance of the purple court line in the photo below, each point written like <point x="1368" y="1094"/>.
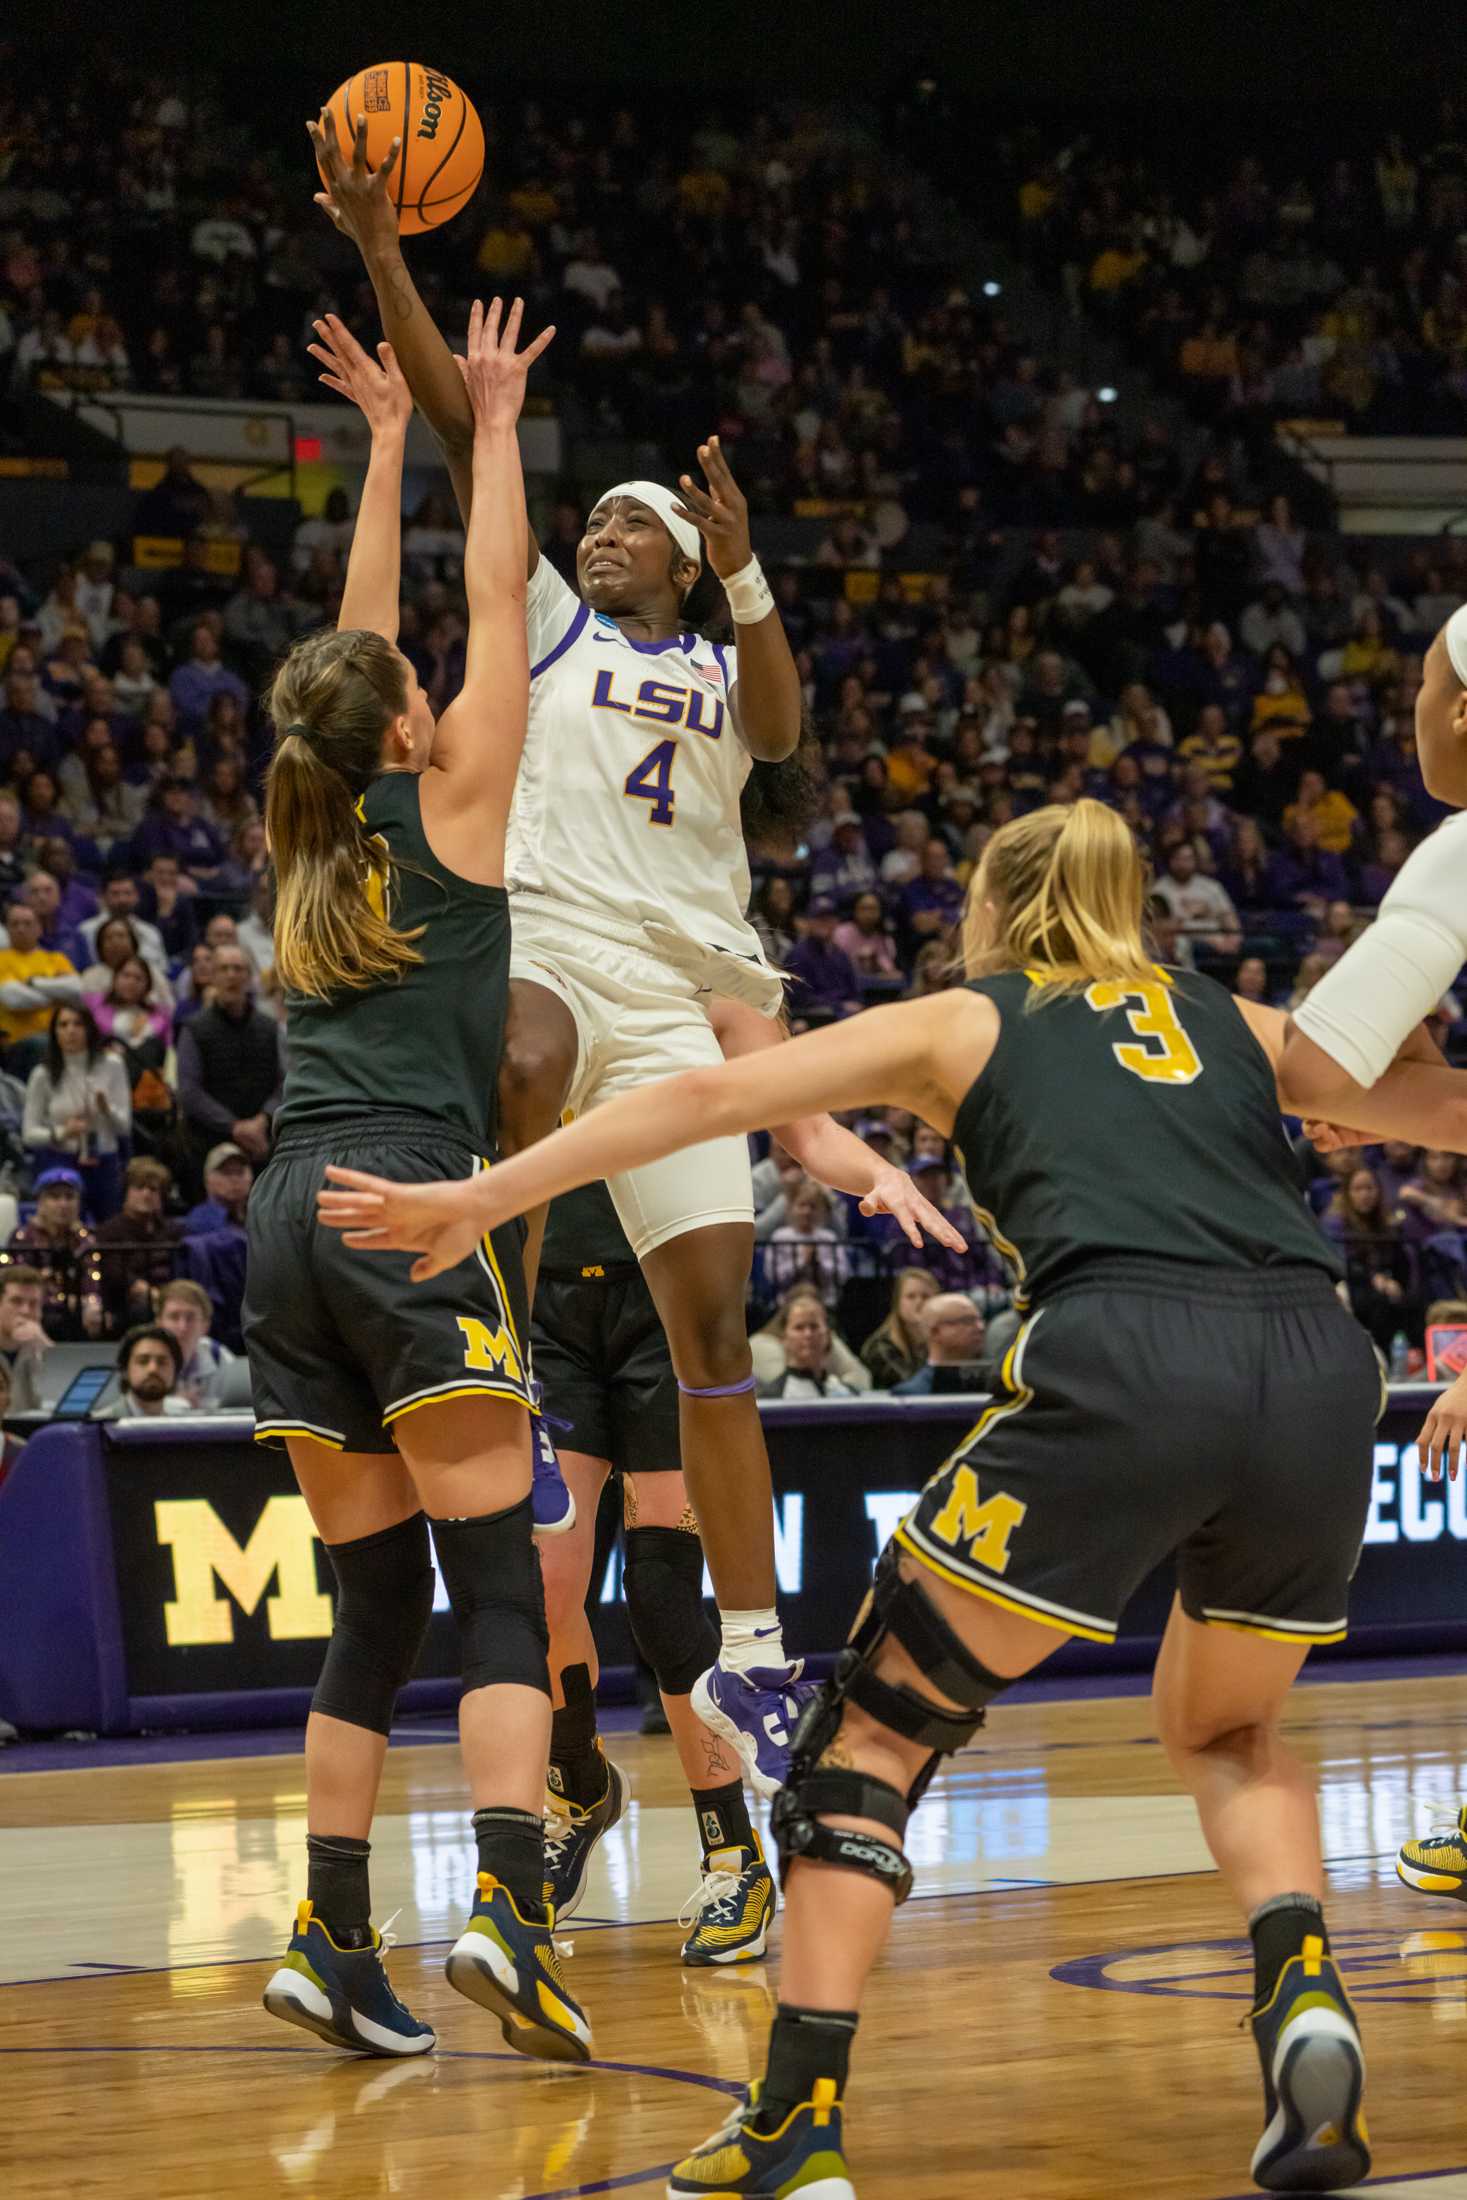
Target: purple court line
<point x="1401" y="2177"/>
<point x="606" y="2184"/>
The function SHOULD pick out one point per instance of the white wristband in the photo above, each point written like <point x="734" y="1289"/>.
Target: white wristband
<point x="1454" y="633"/>
<point x="750" y="597"/>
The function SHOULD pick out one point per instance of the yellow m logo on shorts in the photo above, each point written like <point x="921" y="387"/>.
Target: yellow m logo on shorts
<point x="984" y="1525"/>
<point x="490" y="1351"/>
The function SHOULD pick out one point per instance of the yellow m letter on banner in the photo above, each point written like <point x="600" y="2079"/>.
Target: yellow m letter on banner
<point x="283" y="1545"/>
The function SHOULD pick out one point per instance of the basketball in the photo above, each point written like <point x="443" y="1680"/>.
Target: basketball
<point x="442" y="154"/>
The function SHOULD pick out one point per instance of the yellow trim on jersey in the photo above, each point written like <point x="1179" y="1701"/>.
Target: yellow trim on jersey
<point x="486" y="1247"/>
<point x="1010" y="1602"/>
<point x="1006" y="1250"/>
<point x="1020" y="1396"/>
<point x="265" y="1430"/>
<point x="456" y="1390"/>
<point x="379" y="869"/>
<point x="1276" y="1634"/>
<point x="1278" y="1631"/>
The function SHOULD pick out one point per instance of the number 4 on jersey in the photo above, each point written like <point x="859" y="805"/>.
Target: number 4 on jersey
<point x="651" y="781"/>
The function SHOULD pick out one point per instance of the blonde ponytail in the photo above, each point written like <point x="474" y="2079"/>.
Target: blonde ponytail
<point x="332" y="700"/>
<point x="1059" y="893"/>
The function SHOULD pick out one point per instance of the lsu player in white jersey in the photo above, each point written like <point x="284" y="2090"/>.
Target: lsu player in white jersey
<point x="1368" y="1010"/>
<point x="628" y="881"/>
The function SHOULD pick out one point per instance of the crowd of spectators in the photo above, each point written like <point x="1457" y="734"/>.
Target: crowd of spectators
<point x="1102" y="619"/>
<point x="1319" y="275"/>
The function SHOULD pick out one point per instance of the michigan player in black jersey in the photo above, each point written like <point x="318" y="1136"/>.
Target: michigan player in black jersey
<point x="1186" y="1382"/>
<point x="406" y="1413"/>
<point x="607" y="1381"/>
<point x="603" y="1360"/>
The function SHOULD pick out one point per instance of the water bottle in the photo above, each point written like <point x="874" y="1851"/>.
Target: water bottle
<point x="1400" y="1357"/>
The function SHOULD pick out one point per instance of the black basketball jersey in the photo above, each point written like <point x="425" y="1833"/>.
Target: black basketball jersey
<point x="431" y="1040"/>
<point x="583" y="1236"/>
<point x="1130" y="1119"/>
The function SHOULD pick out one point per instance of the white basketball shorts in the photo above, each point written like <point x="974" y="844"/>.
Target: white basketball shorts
<point x="637" y="1018"/>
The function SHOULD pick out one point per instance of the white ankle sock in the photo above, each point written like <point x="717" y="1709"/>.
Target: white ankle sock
<point x="750" y="1639"/>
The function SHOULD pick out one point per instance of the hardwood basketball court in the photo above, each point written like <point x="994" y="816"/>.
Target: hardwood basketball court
<point x="1057" y="2015"/>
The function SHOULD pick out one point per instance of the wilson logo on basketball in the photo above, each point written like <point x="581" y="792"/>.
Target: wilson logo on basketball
<point x="439" y="93"/>
<point x="376" y="97"/>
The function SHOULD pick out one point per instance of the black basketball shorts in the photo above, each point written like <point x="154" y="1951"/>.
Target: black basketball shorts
<point x="343" y="1346"/>
<point x="1150" y="1409"/>
<point x="605" y="1373"/>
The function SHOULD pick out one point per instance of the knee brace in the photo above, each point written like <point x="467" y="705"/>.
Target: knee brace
<point x="491" y="1571"/>
<point x="663" y="1579"/>
<point x="384" y="1600"/>
<point x="904" y="1611"/>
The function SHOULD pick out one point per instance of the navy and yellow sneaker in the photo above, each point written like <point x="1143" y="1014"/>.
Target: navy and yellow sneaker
<point x="802" y="2160"/>
<point x="508" y="1965"/>
<point x="1437" y="1864"/>
<point x="342" y="1994"/>
<point x="1313" y="2077"/>
<point x="732" y="1908"/>
<point x="572" y="1831"/>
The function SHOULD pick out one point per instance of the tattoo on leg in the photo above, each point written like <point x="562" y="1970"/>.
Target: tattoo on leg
<point x="839" y="1755"/>
<point x="717" y="1764"/>
<point x="629" y="1507"/>
<point x="688" y="1525"/>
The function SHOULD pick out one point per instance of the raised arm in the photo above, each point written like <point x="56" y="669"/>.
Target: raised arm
<point x="373" y="591"/>
<point x="922" y="1055"/>
<point x="481" y="734"/>
<point x="359" y="202"/>
<point x="768" y="681"/>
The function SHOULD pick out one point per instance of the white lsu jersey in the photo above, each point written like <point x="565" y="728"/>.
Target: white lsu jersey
<point x="627" y="801"/>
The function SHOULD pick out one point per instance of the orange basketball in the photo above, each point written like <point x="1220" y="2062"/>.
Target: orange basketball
<point x="442" y="155"/>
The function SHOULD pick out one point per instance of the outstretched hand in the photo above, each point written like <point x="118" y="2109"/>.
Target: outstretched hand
<point x="443" y="1221"/>
<point x="894" y="1193"/>
<point x="357" y="198"/>
<point x="493" y="370"/>
<point x="720" y="512"/>
<point x="379" y="390"/>
<point x="1443" y="1433"/>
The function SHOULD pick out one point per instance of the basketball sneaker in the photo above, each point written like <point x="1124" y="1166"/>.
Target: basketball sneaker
<point x="572" y="1831"/>
<point x="800" y="2161"/>
<point x="1437" y="1864"/>
<point x="1313" y="2076"/>
<point x="756" y="1712"/>
<point x="552" y="1503"/>
<point x="508" y="1965"/>
<point x="731" y="1910"/>
<point x="342" y="1994"/>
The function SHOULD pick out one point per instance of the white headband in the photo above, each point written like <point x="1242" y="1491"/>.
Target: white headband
<point x="661" y="501"/>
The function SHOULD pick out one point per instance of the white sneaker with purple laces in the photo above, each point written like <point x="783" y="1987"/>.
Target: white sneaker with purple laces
<point x="756" y="1712"/>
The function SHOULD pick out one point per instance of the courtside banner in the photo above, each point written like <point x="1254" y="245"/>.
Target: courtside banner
<point x="167" y="1573"/>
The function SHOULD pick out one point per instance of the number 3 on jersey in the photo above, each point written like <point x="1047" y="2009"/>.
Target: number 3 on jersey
<point x="1165" y="1055"/>
<point x="651" y="781"/>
